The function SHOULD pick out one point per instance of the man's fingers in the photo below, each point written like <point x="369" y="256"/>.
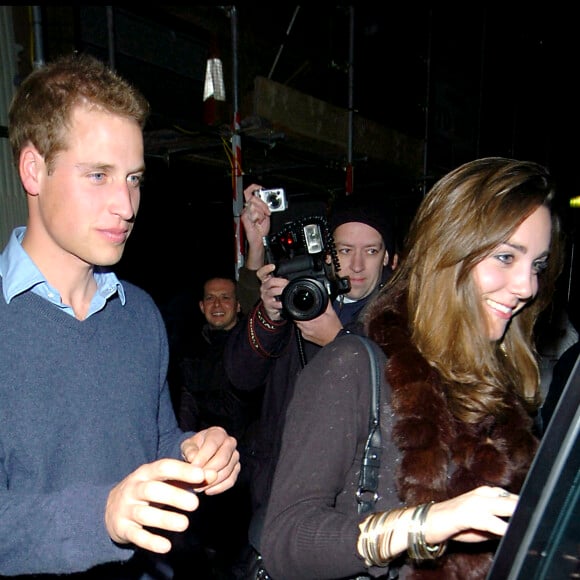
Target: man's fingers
<point x="155" y="516"/>
<point x="176" y="495"/>
<point x="225" y="484"/>
<point x="148" y="540"/>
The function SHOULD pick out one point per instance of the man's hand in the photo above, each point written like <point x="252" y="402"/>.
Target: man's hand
<point x="142" y="499"/>
<point x="270" y="291"/>
<point x="256" y="221"/>
<point x="214" y="451"/>
<point x="322" y="329"/>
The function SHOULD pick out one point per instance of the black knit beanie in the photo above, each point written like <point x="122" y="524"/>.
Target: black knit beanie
<point x="357" y="208"/>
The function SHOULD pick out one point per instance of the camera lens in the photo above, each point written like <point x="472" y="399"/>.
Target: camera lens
<point x="304" y="299"/>
<point x="273" y="201"/>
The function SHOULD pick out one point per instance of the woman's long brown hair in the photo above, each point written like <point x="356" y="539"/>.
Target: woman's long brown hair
<point x="464" y="217"/>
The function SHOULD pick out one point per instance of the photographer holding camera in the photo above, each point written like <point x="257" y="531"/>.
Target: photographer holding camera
<point x="271" y="347"/>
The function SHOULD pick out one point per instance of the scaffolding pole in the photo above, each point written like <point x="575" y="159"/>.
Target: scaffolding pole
<point x="349" y="184"/>
<point x="237" y="174"/>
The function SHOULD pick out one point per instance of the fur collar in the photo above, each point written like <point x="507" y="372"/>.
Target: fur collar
<point x="442" y="457"/>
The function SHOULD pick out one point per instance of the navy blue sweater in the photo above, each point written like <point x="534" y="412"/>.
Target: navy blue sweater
<point x="82" y="404"/>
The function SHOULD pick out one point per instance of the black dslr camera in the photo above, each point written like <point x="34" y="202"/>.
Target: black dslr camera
<point x="304" y="253"/>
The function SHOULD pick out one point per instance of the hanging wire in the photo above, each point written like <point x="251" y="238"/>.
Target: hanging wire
<point x="282" y="45"/>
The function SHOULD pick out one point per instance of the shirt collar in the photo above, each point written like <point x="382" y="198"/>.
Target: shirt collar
<point x="20" y="274"/>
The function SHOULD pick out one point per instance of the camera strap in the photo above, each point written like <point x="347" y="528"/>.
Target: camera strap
<point x="300" y="343"/>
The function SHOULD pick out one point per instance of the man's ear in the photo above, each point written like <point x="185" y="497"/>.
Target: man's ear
<point x="386" y="259"/>
<point x="30" y="167"/>
<point x="201" y="306"/>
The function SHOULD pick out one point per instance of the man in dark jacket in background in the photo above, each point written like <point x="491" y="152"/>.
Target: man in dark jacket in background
<point x="206" y="394"/>
<point x="207" y="397"/>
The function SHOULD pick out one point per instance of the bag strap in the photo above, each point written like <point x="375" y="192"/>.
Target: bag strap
<point x="368" y="483"/>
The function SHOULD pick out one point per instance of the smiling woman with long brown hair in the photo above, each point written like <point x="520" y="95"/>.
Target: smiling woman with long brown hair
<point x="460" y="383"/>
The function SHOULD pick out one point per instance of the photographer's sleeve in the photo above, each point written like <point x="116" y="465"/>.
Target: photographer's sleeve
<point x="266" y="335"/>
<point x="253" y="346"/>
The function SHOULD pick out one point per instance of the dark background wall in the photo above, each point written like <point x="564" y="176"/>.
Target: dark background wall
<point x="462" y="82"/>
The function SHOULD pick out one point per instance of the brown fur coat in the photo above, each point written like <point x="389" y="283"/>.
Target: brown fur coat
<point x="443" y="457"/>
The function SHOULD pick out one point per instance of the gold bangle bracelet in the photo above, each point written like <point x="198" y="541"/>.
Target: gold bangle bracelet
<point x="418" y="549"/>
<point x="375" y="538"/>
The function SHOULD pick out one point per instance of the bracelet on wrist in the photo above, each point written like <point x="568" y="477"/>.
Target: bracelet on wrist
<point x="418" y="549"/>
<point x="374" y="542"/>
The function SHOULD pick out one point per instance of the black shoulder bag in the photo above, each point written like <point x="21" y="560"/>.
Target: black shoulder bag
<point x="368" y="482"/>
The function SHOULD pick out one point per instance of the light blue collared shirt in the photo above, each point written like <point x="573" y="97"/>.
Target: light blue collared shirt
<point x="20" y="274"/>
